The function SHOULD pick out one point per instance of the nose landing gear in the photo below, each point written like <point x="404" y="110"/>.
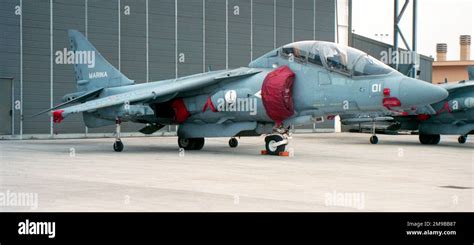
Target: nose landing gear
<point x="275" y="144"/>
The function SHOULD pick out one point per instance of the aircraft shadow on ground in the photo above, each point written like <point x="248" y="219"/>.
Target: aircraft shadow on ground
<point x="406" y="143"/>
<point x="85" y="147"/>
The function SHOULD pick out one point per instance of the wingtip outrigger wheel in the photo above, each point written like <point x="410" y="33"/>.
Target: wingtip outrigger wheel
<point x="233" y="142"/>
<point x="374" y="139"/>
<point x="118" y="145"/>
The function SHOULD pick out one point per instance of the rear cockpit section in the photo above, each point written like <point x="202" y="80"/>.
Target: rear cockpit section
<point x="330" y="56"/>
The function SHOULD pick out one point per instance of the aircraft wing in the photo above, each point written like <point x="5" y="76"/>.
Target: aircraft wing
<point x="154" y="92"/>
<point x="453" y="87"/>
<point x="86" y="96"/>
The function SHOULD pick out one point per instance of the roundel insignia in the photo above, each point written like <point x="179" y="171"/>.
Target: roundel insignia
<point x="230" y="96"/>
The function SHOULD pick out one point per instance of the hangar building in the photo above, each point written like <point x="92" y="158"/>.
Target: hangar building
<point x="147" y="41"/>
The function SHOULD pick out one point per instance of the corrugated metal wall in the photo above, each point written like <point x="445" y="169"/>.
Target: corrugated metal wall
<point x="206" y="35"/>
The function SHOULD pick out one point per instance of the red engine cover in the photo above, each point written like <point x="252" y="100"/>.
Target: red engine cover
<point x="180" y="111"/>
<point x="277" y="94"/>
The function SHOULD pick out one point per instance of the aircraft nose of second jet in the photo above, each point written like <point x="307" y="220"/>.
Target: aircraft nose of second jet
<point x="416" y="92"/>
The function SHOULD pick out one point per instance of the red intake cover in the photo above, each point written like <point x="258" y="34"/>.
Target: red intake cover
<point x="423" y="117"/>
<point x="180" y="111"/>
<point x="277" y="94"/>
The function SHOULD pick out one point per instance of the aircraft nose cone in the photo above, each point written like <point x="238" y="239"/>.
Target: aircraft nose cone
<point x="416" y="92"/>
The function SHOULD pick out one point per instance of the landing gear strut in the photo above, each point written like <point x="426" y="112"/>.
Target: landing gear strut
<point x="191" y="143"/>
<point x="118" y="145"/>
<point x="429" y="139"/>
<point x="462" y="139"/>
<point x="275" y="144"/>
<point x="374" y="139"/>
<point x="233" y="142"/>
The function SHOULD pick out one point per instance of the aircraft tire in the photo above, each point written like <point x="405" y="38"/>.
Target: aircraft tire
<point x="462" y="139"/>
<point x="233" y="142"/>
<point x="374" y="139"/>
<point x="198" y="143"/>
<point x="435" y="139"/>
<point x="118" y="146"/>
<point x="191" y="143"/>
<point x="269" y="140"/>
<point x="429" y="139"/>
<point x="424" y="139"/>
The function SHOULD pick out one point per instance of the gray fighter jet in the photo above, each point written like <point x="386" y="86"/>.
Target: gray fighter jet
<point x="451" y="116"/>
<point x="297" y="84"/>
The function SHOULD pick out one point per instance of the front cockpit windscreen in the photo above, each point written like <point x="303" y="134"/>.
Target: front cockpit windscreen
<point x="335" y="57"/>
<point x="368" y="65"/>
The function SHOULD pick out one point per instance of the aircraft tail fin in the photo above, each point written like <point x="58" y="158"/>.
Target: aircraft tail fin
<point x="92" y="70"/>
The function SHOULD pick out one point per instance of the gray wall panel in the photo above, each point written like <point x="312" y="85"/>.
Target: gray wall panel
<point x="304" y="20"/>
<point x="190" y="37"/>
<point x="215" y="34"/>
<point x="162" y="41"/>
<point x="283" y="23"/>
<point x="262" y="27"/>
<point x="325" y="18"/>
<point x="10" y="49"/>
<point x="36" y="64"/>
<point x="133" y="40"/>
<point x="239" y="33"/>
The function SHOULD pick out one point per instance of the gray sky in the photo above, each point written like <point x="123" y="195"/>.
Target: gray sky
<point x="439" y="21"/>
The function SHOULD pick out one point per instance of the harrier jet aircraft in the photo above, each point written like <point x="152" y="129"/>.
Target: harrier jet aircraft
<point x="297" y="84"/>
<point x="451" y="116"/>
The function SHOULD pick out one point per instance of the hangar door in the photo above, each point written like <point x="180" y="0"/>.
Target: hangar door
<point x="5" y="106"/>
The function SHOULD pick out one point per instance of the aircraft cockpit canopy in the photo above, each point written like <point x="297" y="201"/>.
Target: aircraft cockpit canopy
<point x="335" y="57"/>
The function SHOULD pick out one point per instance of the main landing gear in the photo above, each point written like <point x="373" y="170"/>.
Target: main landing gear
<point x="191" y="143"/>
<point x="462" y="139"/>
<point x="429" y="139"/>
<point x="118" y="145"/>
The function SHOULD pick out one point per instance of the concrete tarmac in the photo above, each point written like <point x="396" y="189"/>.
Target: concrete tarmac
<point x="329" y="172"/>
